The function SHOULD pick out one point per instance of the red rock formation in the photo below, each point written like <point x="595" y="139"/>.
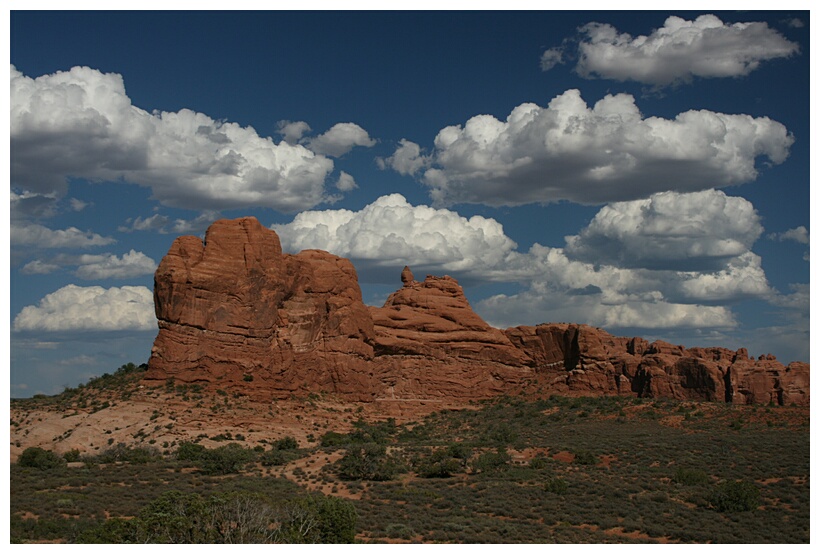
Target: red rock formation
<point x="582" y="359"/>
<point x="431" y="344"/>
<point x="236" y="313"/>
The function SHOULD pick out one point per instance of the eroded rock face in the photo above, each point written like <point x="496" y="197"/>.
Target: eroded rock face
<point x="582" y="359"/>
<point x="431" y="344"/>
<point x="236" y="313"/>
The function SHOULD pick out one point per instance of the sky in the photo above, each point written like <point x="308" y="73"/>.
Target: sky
<point x="642" y="172"/>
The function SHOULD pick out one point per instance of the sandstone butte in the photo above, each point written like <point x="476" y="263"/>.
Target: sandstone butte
<point x="238" y="314"/>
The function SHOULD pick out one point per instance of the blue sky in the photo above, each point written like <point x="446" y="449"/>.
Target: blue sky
<point x="645" y="172"/>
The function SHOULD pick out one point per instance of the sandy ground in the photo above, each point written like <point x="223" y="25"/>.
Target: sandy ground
<point x="161" y="419"/>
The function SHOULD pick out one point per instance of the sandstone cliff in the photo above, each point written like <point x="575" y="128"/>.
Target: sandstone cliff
<point x="237" y="313"/>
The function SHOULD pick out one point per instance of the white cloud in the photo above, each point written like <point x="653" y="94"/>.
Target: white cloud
<point x="346" y="182"/>
<point x="743" y="277"/>
<point x="27" y="204"/>
<point x="163" y="224"/>
<point x="798" y="234"/>
<point x="38" y="236"/>
<point x="109" y="266"/>
<point x="679" y="51"/>
<point x="552" y="57"/>
<point x="604" y="153"/>
<point x="340" y="139"/>
<point x="74" y="308"/>
<point x="669" y="230"/>
<point x="633" y="288"/>
<point x="391" y="232"/>
<point x="406" y="160"/>
<point x="81" y="123"/>
<point x="554" y="305"/>
<point x="77" y="205"/>
<point x="39" y="267"/>
<point x="292" y="131"/>
<point x="156" y="222"/>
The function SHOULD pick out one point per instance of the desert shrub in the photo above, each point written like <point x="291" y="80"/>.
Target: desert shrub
<point x="369" y="462"/>
<point x="113" y="531"/>
<point x="556" y="485"/>
<point x="334" y="520"/>
<point x="190" y="451"/>
<point x="132" y="454"/>
<point x="735" y="496"/>
<point x="287" y="443"/>
<point x="39" y="458"/>
<point x="276" y="457"/>
<point x="585" y="457"/>
<point x="687" y="476"/>
<point x="539" y="462"/>
<point x="490" y="461"/>
<point x="72" y="455"/>
<point x="379" y="432"/>
<point x="439" y="464"/>
<point x="230" y="458"/>
<point x="332" y="438"/>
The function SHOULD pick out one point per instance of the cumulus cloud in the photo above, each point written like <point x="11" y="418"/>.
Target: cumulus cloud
<point x="531" y="306"/>
<point x="340" y="139"/>
<point x="39" y="236"/>
<point x="74" y="308"/>
<point x="406" y="160"/>
<point x="292" y="131"/>
<point x="109" y="266"/>
<point x="552" y="57"/>
<point x="798" y="234"/>
<point x="81" y="123"/>
<point x="390" y="232"/>
<point x="346" y="182"/>
<point x="669" y="230"/>
<point x="604" y="153"/>
<point x="679" y="51"/>
<point x="26" y="204"/>
<point x="635" y="288"/>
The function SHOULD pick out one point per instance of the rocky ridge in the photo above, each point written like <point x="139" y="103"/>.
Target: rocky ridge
<point x="237" y="313"/>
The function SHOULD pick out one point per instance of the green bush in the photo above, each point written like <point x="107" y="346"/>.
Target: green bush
<point x="585" y="457"/>
<point x="369" y="462"/>
<point x="556" y="485"/>
<point x="190" y="452"/>
<point x="490" y="461"/>
<point x="686" y="476"/>
<point x="230" y="458"/>
<point x="440" y="464"/>
<point x="72" y="455"/>
<point x="287" y="443"/>
<point x="735" y="496"/>
<point x="39" y="458"/>
<point x="132" y="454"/>
<point x="335" y="520"/>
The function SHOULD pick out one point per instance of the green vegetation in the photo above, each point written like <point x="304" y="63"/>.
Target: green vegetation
<point x="39" y="458"/>
<point x="561" y="470"/>
<point x="735" y="496"/>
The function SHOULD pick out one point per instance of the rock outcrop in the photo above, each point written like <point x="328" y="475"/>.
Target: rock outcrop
<point x="579" y="359"/>
<point x="237" y="313"/>
<point x="430" y="343"/>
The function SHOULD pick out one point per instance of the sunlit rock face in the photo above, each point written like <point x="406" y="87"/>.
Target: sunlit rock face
<point x="236" y="313"/>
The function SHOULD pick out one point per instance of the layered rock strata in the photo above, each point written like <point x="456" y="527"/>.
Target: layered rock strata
<point x="237" y="313"/>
